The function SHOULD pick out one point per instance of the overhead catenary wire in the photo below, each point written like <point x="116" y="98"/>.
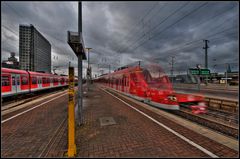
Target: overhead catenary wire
<point x="198" y="47"/>
<point x="205" y="22"/>
<point x="21" y="16"/>
<point x="178" y="49"/>
<point x="133" y="27"/>
<point x="202" y="22"/>
<point x="15" y="33"/>
<point x="136" y="29"/>
<point x="194" y="10"/>
<point x="173" y="13"/>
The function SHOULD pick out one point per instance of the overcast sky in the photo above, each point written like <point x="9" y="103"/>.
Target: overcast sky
<point x="124" y="32"/>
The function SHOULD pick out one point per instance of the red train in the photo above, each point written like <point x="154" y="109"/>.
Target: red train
<point x="19" y="81"/>
<point x="151" y="85"/>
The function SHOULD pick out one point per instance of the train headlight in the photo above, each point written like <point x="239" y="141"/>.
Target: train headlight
<point x="172" y="98"/>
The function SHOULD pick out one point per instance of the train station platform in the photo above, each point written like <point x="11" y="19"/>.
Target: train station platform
<point x="113" y="128"/>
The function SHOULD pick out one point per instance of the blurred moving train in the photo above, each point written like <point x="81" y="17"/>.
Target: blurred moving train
<point x="19" y="81"/>
<point x="149" y="83"/>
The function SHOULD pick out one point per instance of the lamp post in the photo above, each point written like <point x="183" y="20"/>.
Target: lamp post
<point x="226" y="75"/>
<point x="215" y="71"/>
<point x="88" y="70"/>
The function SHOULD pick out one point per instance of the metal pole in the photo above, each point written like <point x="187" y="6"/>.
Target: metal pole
<point x="206" y="57"/>
<point x="88" y="58"/>
<point x="71" y="116"/>
<point x="226" y="76"/>
<point x="80" y="90"/>
<point x="199" y="81"/>
<point x="172" y="68"/>
<point x="88" y="70"/>
<point x="109" y="76"/>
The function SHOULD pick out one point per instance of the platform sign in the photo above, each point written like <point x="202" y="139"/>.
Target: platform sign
<point x="196" y="71"/>
<point x="204" y="72"/>
<point x="71" y="115"/>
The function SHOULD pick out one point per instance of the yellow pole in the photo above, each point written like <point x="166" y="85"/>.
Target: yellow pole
<point x="71" y="118"/>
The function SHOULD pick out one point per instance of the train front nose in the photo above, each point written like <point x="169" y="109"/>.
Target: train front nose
<point x="200" y="108"/>
<point x="193" y="102"/>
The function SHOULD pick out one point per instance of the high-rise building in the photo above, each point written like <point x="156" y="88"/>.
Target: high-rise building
<point x="34" y="50"/>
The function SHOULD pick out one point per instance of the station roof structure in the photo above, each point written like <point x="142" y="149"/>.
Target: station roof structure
<point x="77" y="44"/>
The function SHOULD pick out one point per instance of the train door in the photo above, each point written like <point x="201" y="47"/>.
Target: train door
<point x="16" y="83"/>
<point x="111" y="82"/>
<point x="117" y="84"/>
<point x="51" y="82"/>
<point x="17" y="80"/>
<point x="127" y="83"/>
<point x="123" y="83"/>
<point x="14" y="86"/>
<point x="39" y="82"/>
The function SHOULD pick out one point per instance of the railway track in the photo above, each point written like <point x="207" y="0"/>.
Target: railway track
<point x="203" y="120"/>
<point x="48" y="150"/>
<point x="210" y="123"/>
<point x="228" y="118"/>
<point x="9" y="102"/>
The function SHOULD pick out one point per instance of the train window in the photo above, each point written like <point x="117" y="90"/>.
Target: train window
<point x="55" y="80"/>
<point x="13" y="81"/>
<point x="5" y="81"/>
<point x="48" y="80"/>
<point x="34" y="80"/>
<point x="24" y="80"/>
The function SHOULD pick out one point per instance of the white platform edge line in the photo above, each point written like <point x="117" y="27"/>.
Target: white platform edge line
<point x="30" y="109"/>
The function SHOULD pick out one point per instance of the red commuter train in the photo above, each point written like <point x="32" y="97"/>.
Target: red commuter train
<point x="19" y="81"/>
<point x="151" y="85"/>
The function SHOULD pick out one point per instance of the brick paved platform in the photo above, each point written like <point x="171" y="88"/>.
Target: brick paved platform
<point x="111" y="129"/>
<point x="28" y="135"/>
<point x="130" y="135"/>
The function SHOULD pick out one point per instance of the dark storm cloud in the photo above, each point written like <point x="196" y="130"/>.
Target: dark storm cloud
<point x="124" y="32"/>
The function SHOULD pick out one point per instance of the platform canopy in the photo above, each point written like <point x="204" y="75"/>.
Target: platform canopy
<point x="77" y="44"/>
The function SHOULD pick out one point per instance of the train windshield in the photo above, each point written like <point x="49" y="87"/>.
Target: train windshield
<point x="156" y="78"/>
<point x="188" y="78"/>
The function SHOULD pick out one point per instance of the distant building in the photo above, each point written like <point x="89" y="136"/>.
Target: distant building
<point x="34" y="50"/>
<point x="12" y="62"/>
